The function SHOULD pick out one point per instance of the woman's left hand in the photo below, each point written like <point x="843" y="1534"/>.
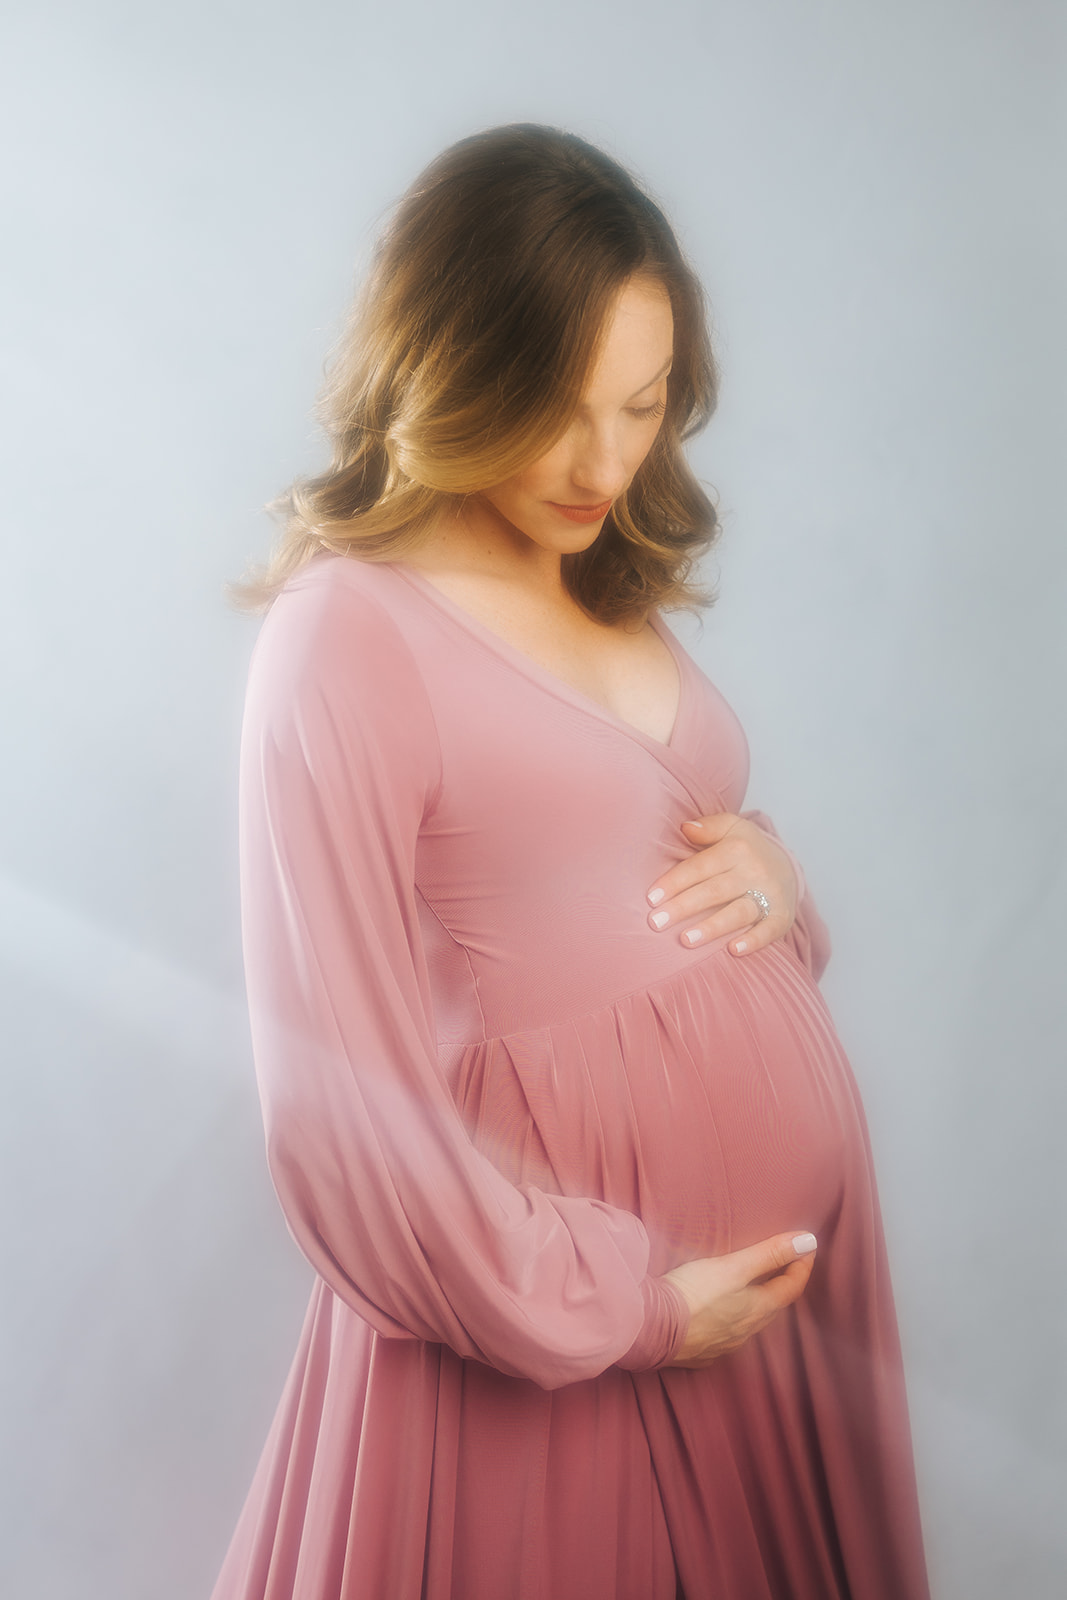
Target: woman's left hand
<point x="732" y="855"/>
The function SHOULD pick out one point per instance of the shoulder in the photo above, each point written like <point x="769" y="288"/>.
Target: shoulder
<point x="336" y="602"/>
<point x="331" y="654"/>
<point x="339" y="621"/>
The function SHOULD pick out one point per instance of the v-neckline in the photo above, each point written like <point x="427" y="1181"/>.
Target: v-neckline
<point x="533" y="669"/>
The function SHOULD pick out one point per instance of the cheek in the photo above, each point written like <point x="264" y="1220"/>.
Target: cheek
<point x="531" y="483"/>
<point x="640" y="450"/>
<point x="513" y="498"/>
<point x="544" y="476"/>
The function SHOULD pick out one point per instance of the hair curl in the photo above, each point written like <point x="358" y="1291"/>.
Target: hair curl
<point x="464" y="360"/>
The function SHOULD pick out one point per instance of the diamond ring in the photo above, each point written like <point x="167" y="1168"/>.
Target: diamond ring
<point x="762" y="901"/>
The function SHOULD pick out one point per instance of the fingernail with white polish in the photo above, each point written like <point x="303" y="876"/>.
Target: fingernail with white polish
<point x="693" y="936"/>
<point x="661" y="919"/>
<point x="655" y="896"/>
<point x="805" y="1243"/>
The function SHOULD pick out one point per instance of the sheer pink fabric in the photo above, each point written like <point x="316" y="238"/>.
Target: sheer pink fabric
<point x="499" y="1107"/>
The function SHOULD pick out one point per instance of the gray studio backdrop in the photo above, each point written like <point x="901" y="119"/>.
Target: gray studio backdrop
<point x="868" y="190"/>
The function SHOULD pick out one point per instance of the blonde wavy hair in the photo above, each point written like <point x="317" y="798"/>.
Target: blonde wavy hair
<point x="465" y="356"/>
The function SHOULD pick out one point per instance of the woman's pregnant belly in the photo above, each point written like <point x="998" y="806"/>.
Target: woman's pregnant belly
<point x="717" y="1105"/>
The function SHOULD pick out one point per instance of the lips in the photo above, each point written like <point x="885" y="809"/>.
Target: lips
<point x="583" y="513"/>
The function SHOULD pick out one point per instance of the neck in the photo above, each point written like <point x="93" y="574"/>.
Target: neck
<point x="477" y="539"/>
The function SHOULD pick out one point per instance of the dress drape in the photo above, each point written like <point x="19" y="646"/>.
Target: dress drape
<point x="499" y="1107"/>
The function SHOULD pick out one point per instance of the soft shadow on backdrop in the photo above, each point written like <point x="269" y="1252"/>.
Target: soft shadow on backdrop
<point x="867" y="190"/>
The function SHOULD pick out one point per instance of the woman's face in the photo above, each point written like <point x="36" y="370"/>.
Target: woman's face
<point x="560" y="502"/>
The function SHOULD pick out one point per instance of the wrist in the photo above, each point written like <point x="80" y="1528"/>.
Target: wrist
<point x="664" y="1329"/>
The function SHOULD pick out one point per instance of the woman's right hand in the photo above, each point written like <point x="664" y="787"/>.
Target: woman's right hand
<point x="732" y="1297"/>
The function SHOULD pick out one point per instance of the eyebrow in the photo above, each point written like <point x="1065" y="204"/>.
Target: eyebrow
<point x="666" y="367"/>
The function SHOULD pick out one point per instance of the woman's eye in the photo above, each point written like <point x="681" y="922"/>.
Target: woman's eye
<point x="644" y="412"/>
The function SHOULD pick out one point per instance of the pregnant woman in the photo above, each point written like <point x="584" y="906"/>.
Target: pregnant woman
<point x="553" y="1104"/>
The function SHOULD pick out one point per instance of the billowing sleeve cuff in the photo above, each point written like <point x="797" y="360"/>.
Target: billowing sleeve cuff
<point x="663" y="1330"/>
<point x="762" y="820"/>
<point x="809" y="937"/>
<point x="798" y="872"/>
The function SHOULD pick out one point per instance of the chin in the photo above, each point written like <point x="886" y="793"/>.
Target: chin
<point x="574" y="537"/>
<point x="567" y="541"/>
<point x="579" y="541"/>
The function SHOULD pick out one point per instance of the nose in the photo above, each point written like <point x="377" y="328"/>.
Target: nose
<point x="597" y="465"/>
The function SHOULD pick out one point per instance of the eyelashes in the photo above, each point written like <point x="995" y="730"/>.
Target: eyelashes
<point x="643" y="413"/>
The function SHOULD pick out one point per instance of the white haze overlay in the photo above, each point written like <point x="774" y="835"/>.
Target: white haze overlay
<point x="871" y="192"/>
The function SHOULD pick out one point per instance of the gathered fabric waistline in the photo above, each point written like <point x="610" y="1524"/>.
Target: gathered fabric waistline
<point x="676" y="979"/>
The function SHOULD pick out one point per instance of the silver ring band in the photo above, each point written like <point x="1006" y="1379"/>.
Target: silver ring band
<point x="762" y="901"/>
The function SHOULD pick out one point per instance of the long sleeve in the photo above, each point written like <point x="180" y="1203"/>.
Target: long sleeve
<point x="809" y="937"/>
<point x="379" y="1181"/>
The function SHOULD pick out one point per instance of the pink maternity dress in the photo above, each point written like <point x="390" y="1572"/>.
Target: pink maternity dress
<point x="499" y="1107"/>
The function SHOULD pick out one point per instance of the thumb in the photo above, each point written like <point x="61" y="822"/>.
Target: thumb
<point x="712" y="828"/>
<point x="772" y="1255"/>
